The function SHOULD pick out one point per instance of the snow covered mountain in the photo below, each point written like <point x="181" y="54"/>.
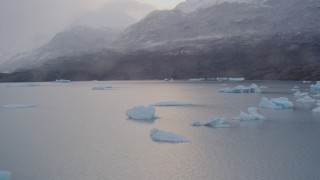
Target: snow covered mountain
<point x="216" y="20"/>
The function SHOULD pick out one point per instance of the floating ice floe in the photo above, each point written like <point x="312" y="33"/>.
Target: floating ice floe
<point x="171" y="103"/>
<point x="237" y="79"/>
<point x="5" y="175"/>
<point x="306" y="99"/>
<point x="102" y="88"/>
<point x="197" y="79"/>
<point x="215" y="122"/>
<point x="295" y="87"/>
<point x="23" y="85"/>
<point x="253" y="88"/>
<point x="222" y="79"/>
<point x="159" y="135"/>
<point x="62" y="81"/>
<point x="300" y="94"/>
<point x="16" y="106"/>
<point x="276" y="103"/>
<point x="142" y="113"/>
<point x="251" y="115"/>
<point x="306" y="81"/>
<point x="315" y="87"/>
<point x="316" y="110"/>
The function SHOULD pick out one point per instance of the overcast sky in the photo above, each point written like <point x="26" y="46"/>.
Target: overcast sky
<point x="25" y="23"/>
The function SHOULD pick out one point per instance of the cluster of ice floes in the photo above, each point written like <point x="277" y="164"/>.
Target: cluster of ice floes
<point x="164" y="136"/>
<point x="171" y="103"/>
<point x="5" y="175"/>
<point x="299" y="94"/>
<point x="23" y="85"/>
<point x="315" y="87"/>
<point x="251" y="115"/>
<point x="102" y="88"/>
<point x="215" y="122"/>
<point x="253" y="88"/>
<point x="142" y="113"/>
<point x="276" y="103"/>
<point x="16" y="106"/>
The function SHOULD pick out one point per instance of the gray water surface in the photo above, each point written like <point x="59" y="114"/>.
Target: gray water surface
<point x="78" y="134"/>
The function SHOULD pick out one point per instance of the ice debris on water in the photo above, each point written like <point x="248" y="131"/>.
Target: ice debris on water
<point x="5" y="175"/>
<point x="306" y="81"/>
<point x="276" y="103"/>
<point x="316" y="110"/>
<point x="102" y="88"/>
<point x="141" y="113"/>
<point x="171" y="103"/>
<point x="306" y="99"/>
<point x="251" y="115"/>
<point x="16" y="106"/>
<point x="237" y="79"/>
<point x="159" y="135"/>
<point x="253" y="88"/>
<point x="215" y="122"/>
<point x="299" y="94"/>
<point x="315" y="87"/>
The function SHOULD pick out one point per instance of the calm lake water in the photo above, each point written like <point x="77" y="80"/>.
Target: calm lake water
<point x="77" y="133"/>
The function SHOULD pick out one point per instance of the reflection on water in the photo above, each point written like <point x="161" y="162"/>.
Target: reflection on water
<point x="78" y="133"/>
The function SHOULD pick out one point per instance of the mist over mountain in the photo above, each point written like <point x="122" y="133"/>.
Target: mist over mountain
<point x="271" y="39"/>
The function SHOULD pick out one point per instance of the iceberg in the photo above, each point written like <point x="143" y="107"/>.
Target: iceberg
<point x="237" y="79"/>
<point x="253" y="88"/>
<point x="215" y="122"/>
<point x="16" y="106"/>
<point x="316" y="110"/>
<point x="251" y="115"/>
<point x="159" y="135"/>
<point x="5" y="175"/>
<point x="23" y="85"/>
<point x="276" y="103"/>
<point x="62" y="81"/>
<point x="102" y="88"/>
<point x="141" y="113"/>
<point x="315" y="87"/>
<point x="306" y="81"/>
<point x="222" y="79"/>
<point x="300" y="94"/>
<point x="306" y="99"/>
<point x="171" y="103"/>
<point x="197" y="79"/>
<point x="294" y="89"/>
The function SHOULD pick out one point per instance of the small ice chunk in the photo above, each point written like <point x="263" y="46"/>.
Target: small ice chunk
<point x="306" y="81"/>
<point x="171" y="103"/>
<point x="15" y="106"/>
<point x="197" y="79"/>
<point x="142" y="113"/>
<point x="251" y="115"/>
<point x="215" y="122"/>
<point x="295" y="90"/>
<point x="276" y="103"/>
<point x="159" y="135"/>
<point x="295" y="87"/>
<point x="299" y="94"/>
<point x="62" y="81"/>
<point x="102" y="88"/>
<point x="237" y="79"/>
<point x="306" y="99"/>
<point x="253" y="88"/>
<point x="315" y="87"/>
<point x="316" y="110"/>
<point x="5" y="175"/>
<point x="222" y="79"/>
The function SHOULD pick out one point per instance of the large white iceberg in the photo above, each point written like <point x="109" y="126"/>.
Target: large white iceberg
<point x="215" y="122"/>
<point x="315" y="87"/>
<point x="306" y="99"/>
<point x="142" y="113"/>
<point x="5" y="175"/>
<point x="299" y="94"/>
<point x="159" y="135"/>
<point x="171" y="103"/>
<point x="253" y="88"/>
<point x="251" y="115"/>
<point x="15" y="106"/>
<point x="102" y="88"/>
<point x="276" y="103"/>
